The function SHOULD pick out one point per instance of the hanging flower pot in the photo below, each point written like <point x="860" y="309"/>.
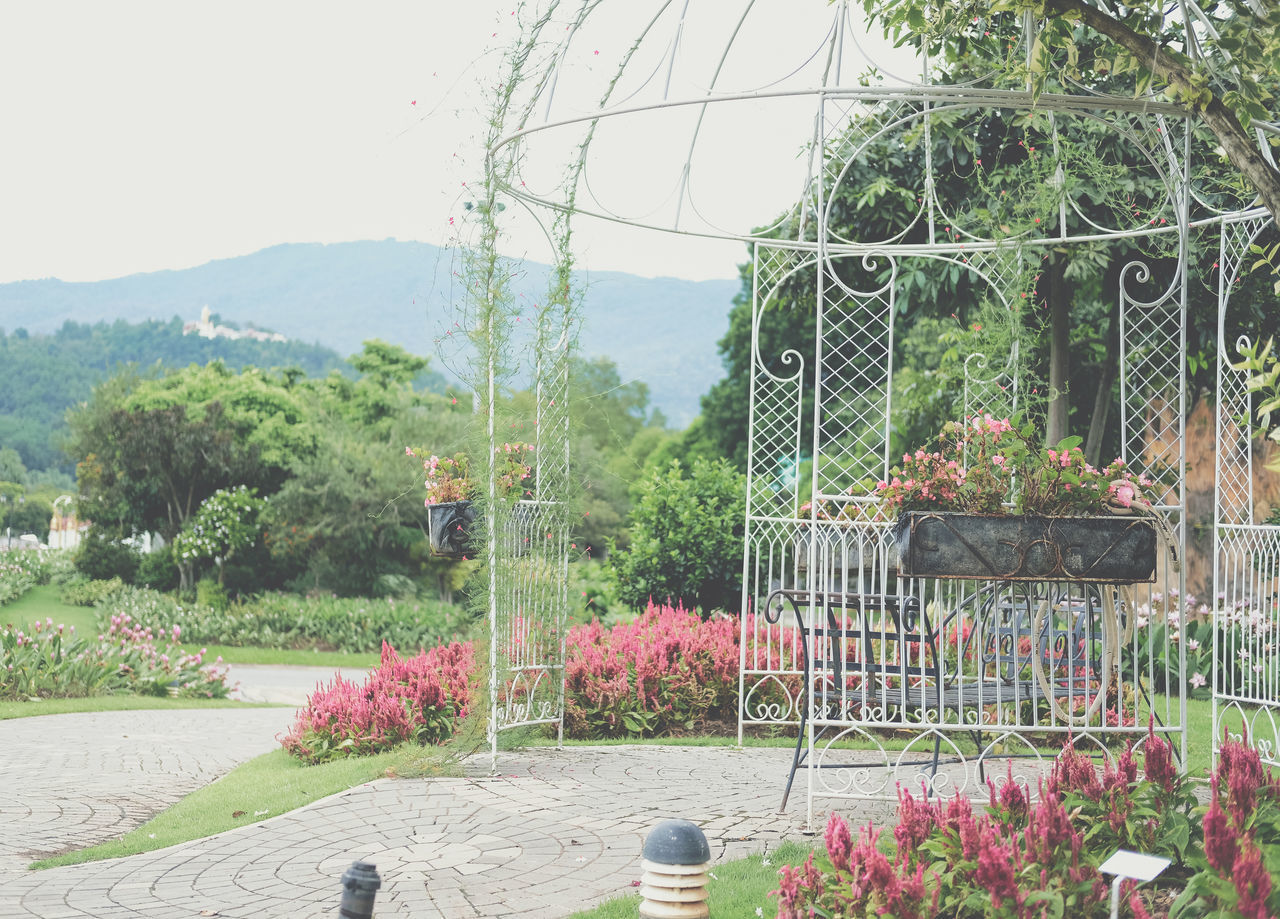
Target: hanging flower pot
<point x="1108" y="549"/>
<point x="449" y="528"/>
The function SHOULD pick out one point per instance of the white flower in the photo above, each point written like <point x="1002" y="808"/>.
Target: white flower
<point x="1198" y="680"/>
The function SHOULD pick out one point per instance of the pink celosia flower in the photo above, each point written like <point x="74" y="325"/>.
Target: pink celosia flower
<point x="838" y="841"/>
<point x="1253" y="883"/>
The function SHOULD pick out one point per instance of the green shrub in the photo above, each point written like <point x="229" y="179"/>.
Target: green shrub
<point x="158" y="570"/>
<point x="21" y="570"/>
<point x="101" y="559"/>
<point x="83" y="592"/>
<point x="399" y="586"/>
<point x="211" y="594"/>
<point x="62" y="567"/>
<point x="686" y="539"/>
<point x="288" y="621"/>
<point x="593" y="594"/>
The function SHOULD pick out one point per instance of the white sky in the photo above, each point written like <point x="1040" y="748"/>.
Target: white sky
<point x="143" y="135"/>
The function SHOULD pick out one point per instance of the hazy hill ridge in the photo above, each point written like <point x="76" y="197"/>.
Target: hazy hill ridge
<point x="659" y="330"/>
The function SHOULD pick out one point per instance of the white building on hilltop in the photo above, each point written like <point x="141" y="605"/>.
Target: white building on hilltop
<point x="205" y="328"/>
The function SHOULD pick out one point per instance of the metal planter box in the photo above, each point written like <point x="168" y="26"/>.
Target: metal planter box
<point x="1110" y="549"/>
<point x="449" y="528"/>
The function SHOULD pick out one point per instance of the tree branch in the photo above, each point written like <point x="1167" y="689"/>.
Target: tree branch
<point x="1173" y="70"/>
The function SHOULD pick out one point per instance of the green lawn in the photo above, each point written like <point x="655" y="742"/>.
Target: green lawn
<point x="41" y="603"/>
<point x="112" y="704"/>
<point x="736" y="889"/>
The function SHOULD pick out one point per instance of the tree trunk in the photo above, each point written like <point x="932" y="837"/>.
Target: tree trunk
<point x="1059" y="413"/>
<point x="1107" y="379"/>
<point x="1173" y="70"/>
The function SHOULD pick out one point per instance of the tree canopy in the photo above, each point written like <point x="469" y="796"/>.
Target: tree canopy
<point x="1223" y="67"/>
<point x="997" y="174"/>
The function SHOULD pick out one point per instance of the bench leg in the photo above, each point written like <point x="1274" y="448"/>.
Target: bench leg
<point x="796" y="759"/>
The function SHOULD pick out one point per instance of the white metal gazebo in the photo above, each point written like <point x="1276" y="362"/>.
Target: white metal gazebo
<point x="686" y="119"/>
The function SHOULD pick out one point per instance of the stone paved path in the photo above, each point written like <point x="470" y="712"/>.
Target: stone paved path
<point x="549" y="833"/>
<point x="71" y="781"/>
<point x="553" y="831"/>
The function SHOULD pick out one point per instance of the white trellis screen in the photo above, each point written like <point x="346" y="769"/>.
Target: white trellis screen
<point x="529" y="545"/>
<point x="1246" y="652"/>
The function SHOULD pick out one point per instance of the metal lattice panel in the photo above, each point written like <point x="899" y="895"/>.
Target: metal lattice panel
<point x="527" y="618"/>
<point x="1246" y="613"/>
<point x="855" y="330"/>
<point x="1153" y="376"/>
<point x="1246" y="679"/>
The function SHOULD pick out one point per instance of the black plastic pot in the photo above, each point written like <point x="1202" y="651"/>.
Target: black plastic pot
<point x="449" y="528"/>
<point x="1108" y="549"/>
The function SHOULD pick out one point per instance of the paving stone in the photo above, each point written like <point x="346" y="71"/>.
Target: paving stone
<point x="482" y="845"/>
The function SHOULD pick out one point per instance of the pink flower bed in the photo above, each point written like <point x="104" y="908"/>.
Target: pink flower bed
<point x="668" y="671"/>
<point x="1024" y="860"/>
<point x="418" y="699"/>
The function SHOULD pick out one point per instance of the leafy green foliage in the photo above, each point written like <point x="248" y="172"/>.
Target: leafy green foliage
<point x="53" y="662"/>
<point x="226" y="523"/>
<point x="42" y="376"/>
<point x="285" y="621"/>
<point x="21" y="570"/>
<point x="149" y="470"/>
<point x="101" y="558"/>
<point x="1263" y="383"/>
<point x="157" y="570"/>
<point x="686" y="538"/>
<point x="267" y="416"/>
<point x="1140" y="48"/>
<point x="85" y="592"/>
<point x="614" y="434"/>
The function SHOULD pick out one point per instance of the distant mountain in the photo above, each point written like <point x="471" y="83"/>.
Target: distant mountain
<point x="662" y="331"/>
